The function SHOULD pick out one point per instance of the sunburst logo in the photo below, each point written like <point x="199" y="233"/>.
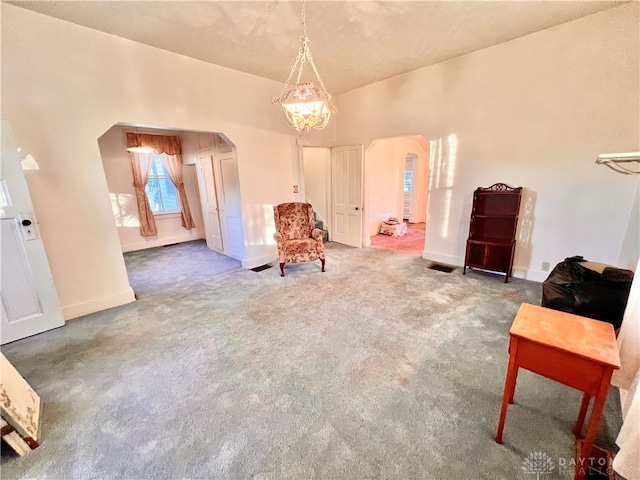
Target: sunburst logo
<point x="538" y="463"/>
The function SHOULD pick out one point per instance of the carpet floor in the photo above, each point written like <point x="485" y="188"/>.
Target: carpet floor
<point x="379" y="368"/>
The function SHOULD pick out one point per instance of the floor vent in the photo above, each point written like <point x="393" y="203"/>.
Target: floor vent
<point x="261" y="268"/>
<point x="441" y="268"/>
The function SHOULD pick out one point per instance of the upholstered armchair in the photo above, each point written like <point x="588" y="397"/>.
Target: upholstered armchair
<point x="297" y="238"/>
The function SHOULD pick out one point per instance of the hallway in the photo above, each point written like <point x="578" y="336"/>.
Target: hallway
<point x="412" y="242"/>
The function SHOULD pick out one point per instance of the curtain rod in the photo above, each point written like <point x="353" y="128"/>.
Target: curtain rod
<point x="617" y="161"/>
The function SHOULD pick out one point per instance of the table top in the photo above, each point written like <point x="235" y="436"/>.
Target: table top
<point x="584" y="337"/>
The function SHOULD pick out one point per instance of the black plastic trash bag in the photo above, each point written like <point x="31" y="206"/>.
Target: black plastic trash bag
<point x="574" y="288"/>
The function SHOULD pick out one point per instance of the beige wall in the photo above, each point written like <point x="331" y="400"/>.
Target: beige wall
<point x="117" y="169"/>
<point x="63" y="86"/>
<point x="533" y="112"/>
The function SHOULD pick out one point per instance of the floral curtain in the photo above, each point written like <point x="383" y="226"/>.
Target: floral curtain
<point x="169" y="148"/>
<point x="141" y="166"/>
<point x="159" y="143"/>
<point x="173" y="164"/>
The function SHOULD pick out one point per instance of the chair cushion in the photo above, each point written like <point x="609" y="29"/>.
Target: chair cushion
<point x="300" y="250"/>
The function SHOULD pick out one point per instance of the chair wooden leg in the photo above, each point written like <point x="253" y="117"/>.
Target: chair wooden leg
<point x="282" y="269"/>
<point x="322" y="261"/>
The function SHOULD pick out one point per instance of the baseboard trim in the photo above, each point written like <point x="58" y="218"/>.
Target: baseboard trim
<point x="535" y="275"/>
<point x="446" y="259"/>
<point x="85" y="308"/>
<point x="517" y="272"/>
<point x="257" y="261"/>
<point x="132" y="247"/>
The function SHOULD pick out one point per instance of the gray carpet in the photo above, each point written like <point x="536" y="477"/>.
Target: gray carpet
<point x="379" y="368"/>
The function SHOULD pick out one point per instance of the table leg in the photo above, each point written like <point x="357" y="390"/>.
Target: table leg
<point x="507" y="397"/>
<point x="577" y="430"/>
<point x="594" y="423"/>
<point x="513" y="388"/>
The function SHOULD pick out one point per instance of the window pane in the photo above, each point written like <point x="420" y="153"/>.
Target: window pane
<point x="153" y="194"/>
<point x="159" y="167"/>
<point x="169" y="194"/>
<point x="408" y="174"/>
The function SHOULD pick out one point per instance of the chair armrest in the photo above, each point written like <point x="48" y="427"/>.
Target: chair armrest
<point x="317" y="234"/>
<point x="278" y="237"/>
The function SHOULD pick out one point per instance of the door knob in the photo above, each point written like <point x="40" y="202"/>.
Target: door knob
<point x="357" y="208"/>
<point x="26" y="223"/>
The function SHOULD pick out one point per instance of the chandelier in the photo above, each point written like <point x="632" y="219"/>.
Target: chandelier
<point x="305" y="105"/>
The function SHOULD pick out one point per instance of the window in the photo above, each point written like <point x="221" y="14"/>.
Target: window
<point x="162" y="193"/>
<point x="407" y="180"/>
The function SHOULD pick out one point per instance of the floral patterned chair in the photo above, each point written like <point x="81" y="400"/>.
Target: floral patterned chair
<point x="297" y="238"/>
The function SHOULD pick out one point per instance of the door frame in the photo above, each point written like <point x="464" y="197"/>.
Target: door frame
<point x="329" y="185"/>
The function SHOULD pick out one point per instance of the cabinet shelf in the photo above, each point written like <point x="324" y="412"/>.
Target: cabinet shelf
<point x="490" y="240"/>
<point x="492" y="229"/>
<point x="501" y="216"/>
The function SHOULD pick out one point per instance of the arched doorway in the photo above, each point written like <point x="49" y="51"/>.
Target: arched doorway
<point x="385" y="167"/>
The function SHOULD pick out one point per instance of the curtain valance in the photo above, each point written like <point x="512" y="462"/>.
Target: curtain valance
<point x="160" y="143"/>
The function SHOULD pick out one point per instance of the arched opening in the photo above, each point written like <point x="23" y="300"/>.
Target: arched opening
<point x="210" y="174"/>
<point x="396" y="179"/>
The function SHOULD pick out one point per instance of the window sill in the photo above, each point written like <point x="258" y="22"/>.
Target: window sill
<point x="166" y="215"/>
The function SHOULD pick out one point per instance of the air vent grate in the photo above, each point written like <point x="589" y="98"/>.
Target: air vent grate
<point x="441" y="268"/>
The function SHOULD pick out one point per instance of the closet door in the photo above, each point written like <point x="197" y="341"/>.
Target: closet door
<point x="229" y="203"/>
<point x="209" y="201"/>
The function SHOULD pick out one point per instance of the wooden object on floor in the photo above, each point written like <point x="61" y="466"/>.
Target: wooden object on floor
<point x="15" y="441"/>
<point x="492" y="229"/>
<point x="393" y="229"/>
<point x="599" y="465"/>
<point x="576" y="351"/>
<point x="20" y="407"/>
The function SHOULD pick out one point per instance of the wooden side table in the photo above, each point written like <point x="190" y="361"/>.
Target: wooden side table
<point x="576" y="351"/>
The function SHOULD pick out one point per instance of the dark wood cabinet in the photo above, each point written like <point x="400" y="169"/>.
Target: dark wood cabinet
<point x="492" y="229"/>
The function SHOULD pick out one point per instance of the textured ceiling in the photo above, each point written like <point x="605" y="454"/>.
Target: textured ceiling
<point x="354" y="43"/>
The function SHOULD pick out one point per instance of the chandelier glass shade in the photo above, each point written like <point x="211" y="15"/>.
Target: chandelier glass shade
<point x="305" y="105"/>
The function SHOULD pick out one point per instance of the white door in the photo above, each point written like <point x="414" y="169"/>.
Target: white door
<point x="346" y="194"/>
<point x="229" y="203"/>
<point x="29" y="300"/>
<point x="209" y="201"/>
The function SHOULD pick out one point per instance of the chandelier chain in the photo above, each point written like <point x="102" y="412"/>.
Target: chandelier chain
<point x="293" y="69"/>
<point x="313" y="66"/>
<point x="304" y="21"/>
